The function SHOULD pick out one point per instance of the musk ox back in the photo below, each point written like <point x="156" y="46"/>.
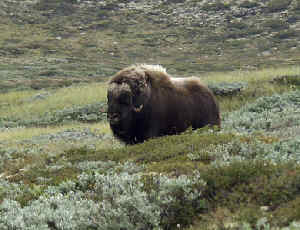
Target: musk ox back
<point x="145" y="102"/>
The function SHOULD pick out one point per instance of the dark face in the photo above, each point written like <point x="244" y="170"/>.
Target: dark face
<point x="120" y="109"/>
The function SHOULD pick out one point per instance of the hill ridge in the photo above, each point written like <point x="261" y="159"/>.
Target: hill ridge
<point x="188" y="37"/>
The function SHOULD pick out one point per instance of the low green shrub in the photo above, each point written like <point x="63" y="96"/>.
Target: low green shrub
<point x="248" y="4"/>
<point x="287" y="212"/>
<point x="221" y="180"/>
<point x="116" y="199"/>
<point x="288" y="79"/>
<point x="243" y="148"/>
<point x="249" y="214"/>
<point x="296" y="5"/>
<point x="267" y="114"/>
<point x="276" y="24"/>
<point x="88" y="113"/>
<point x="258" y="183"/>
<point x="224" y="88"/>
<point x="215" y="6"/>
<point x="57" y="5"/>
<point x="285" y="34"/>
<point x="237" y="25"/>
<point x="276" y="189"/>
<point x="277" y="5"/>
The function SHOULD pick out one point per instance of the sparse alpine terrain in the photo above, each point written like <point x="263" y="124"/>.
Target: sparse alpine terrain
<point x="86" y="40"/>
<point x="61" y="168"/>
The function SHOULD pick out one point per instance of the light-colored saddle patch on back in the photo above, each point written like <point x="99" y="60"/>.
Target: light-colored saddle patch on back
<point x="156" y="68"/>
<point x="178" y="81"/>
<point x="182" y="81"/>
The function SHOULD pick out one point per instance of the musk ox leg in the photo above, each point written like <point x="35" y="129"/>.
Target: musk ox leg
<point x="152" y="132"/>
<point x="143" y="133"/>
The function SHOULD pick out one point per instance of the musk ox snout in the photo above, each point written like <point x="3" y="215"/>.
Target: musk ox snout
<point x="113" y="118"/>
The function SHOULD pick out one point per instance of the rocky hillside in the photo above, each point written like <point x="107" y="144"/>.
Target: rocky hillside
<point x="53" y="42"/>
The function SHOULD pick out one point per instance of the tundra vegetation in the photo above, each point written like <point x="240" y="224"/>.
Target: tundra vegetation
<point x="61" y="167"/>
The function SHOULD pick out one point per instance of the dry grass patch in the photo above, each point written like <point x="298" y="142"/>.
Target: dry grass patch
<point x="54" y="100"/>
<point x="250" y="76"/>
<point x="23" y="133"/>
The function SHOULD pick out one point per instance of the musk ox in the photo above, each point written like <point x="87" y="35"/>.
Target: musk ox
<point x="145" y="102"/>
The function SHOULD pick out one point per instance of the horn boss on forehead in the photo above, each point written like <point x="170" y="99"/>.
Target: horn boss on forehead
<point x="117" y="89"/>
<point x="145" y="102"/>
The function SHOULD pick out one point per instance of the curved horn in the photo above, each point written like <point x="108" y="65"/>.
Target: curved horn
<point x="138" y="109"/>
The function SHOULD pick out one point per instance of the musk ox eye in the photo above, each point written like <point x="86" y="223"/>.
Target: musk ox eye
<point x="124" y="102"/>
<point x="108" y="97"/>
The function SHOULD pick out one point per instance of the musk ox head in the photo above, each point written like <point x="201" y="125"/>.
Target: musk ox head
<point x="128" y="93"/>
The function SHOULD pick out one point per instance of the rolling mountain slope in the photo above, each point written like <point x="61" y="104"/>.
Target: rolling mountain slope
<point x="53" y="42"/>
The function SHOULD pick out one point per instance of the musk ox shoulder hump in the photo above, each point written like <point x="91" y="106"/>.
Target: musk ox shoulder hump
<point x="156" y="74"/>
<point x="138" y="71"/>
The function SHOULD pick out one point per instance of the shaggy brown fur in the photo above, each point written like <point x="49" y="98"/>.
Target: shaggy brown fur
<point x="145" y="102"/>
